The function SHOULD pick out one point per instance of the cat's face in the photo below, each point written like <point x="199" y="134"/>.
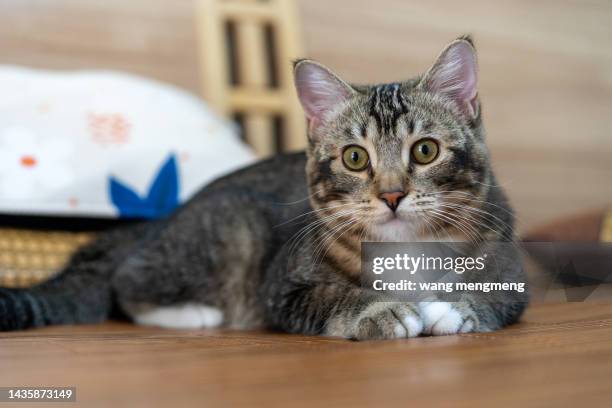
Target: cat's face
<point x="397" y="161"/>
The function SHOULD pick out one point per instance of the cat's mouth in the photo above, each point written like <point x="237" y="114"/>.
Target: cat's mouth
<point x="393" y="227"/>
<point x="397" y="219"/>
<point x="401" y="215"/>
<point x="393" y="220"/>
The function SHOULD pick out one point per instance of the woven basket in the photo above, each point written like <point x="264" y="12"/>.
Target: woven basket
<point x="28" y="256"/>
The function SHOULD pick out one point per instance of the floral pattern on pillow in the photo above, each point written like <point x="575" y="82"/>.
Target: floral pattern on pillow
<point x="161" y="199"/>
<point x="106" y="144"/>
<point x="33" y="162"/>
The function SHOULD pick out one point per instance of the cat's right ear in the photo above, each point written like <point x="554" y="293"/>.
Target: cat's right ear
<point x="454" y="76"/>
<point x="321" y="92"/>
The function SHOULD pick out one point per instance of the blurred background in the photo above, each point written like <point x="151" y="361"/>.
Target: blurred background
<point x="545" y="70"/>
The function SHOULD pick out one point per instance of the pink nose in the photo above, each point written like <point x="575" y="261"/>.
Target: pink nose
<point x="392" y="198"/>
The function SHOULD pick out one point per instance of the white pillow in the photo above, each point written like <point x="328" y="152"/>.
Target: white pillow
<point x="106" y="144"/>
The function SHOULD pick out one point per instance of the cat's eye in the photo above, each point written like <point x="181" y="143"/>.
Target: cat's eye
<point x="425" y="151"/>
<point x="355" y="158"/>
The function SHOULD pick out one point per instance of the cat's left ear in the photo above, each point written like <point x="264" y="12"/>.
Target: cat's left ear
<point x="321" y="92"/>
<point x="454" y="75"/>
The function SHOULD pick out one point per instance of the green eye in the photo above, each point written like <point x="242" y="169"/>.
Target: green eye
<point x="425" y="151"/>
<point x="355" y="158"/>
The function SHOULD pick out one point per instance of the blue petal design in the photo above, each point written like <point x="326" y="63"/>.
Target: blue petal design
<point x="163" y="194"/>
<point x="161" y="200"/>
<point x="126" y="200"/>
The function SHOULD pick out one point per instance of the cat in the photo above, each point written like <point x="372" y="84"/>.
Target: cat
<point x="277" y="244"/>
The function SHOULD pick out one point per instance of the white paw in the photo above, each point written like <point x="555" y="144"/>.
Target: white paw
<point x="183" y="316"/>
<point x="413" y="324"/>
<point x="410" y="326"/>
<point x="441" y="318"/>
<point x="381" y="320"/>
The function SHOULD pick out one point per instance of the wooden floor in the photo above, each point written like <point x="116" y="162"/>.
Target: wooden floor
<point x="561" y="355"/>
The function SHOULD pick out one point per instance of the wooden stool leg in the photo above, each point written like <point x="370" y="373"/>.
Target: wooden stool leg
<point x="257" y="102"/>
<point x="253" y="74"/>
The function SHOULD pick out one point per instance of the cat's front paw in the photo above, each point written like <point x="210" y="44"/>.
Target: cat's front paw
<point x="442" y="318"/>
<point x="388" y="320"/>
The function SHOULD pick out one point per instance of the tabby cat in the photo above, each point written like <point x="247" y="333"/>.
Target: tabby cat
<point x="277" y="244"/>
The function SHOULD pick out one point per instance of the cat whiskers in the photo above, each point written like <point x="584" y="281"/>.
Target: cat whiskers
<point x="307" y="229"/>
<point x="475" y="217"/>
<point x="432" y="225"/>
<point x="312" y="212"/>
<point x="302" y="200"/>
<point x="467" y="199"/>
<point x="503" y="237"/>
<point x="471" y="197"/>
<point x="470" y="232"/>
<point x="323" y="247"/>
<point x="319" y="223"/>
<point x="435" y="222"/>
<point x="480" y="216"/>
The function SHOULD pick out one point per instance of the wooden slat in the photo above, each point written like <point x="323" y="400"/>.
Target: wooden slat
<point x="253" y="97"/>
<point x="253" y="74"/>
<point x="213" y="56"/>
<point x="257" y="100"/>
<point x="248" y="11"/>
<point x="289" y="46"/>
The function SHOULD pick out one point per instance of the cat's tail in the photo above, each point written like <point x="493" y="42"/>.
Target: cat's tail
<point x="79" y="294"/>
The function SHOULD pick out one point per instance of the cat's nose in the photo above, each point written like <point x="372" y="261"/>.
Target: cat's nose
<point x="392" y="198"/>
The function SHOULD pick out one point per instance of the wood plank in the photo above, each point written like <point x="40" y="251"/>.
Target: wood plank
<point x="155" y="38"/>
<point x="560" y="355"/>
